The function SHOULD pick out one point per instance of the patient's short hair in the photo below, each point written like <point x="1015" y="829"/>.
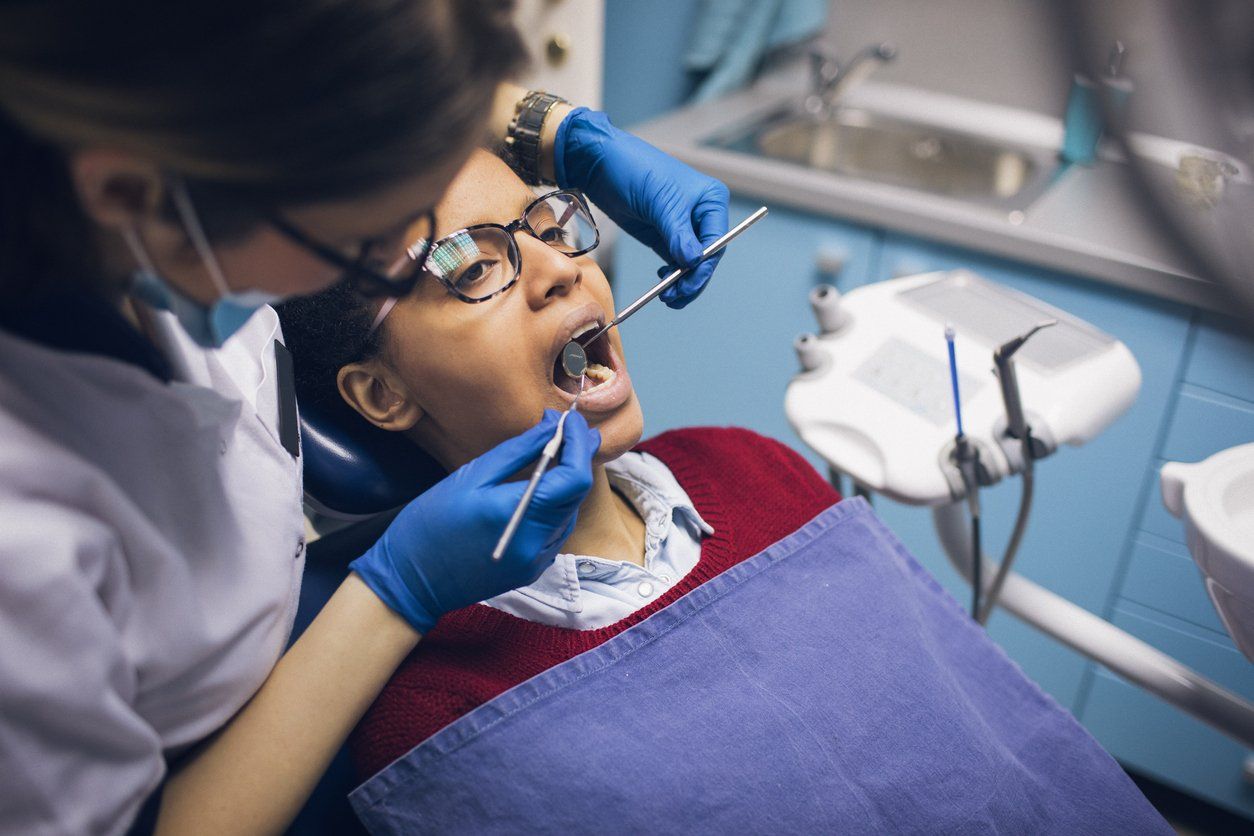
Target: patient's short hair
<point x="326" y="332"/>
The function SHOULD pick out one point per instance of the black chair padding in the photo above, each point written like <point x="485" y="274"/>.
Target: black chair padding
<point x="354" y="469"/>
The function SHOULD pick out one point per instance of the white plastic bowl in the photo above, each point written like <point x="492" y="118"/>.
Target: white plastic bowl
<point x="1215" y="500"/>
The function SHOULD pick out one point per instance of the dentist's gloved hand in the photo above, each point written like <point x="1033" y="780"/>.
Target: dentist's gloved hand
<point x="437" y="554"/>
<point x="668" y="206"/>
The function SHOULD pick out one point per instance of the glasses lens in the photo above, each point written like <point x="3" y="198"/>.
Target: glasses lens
<point x="476" y="263"/>
<point x="562" y="221"/>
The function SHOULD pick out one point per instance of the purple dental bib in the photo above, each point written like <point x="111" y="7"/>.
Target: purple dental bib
<point x="825" y="685"/>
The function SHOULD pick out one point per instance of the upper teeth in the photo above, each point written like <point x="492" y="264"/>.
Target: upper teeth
<point x="583" y="329"/>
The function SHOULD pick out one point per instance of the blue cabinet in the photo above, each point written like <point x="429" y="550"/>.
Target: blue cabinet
<point x="1151" y="736"/>
<point x="1160" y="596"/>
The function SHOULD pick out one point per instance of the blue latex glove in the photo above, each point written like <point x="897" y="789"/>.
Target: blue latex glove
<point x="436" y="556"/>
<point x="668" y="206"/>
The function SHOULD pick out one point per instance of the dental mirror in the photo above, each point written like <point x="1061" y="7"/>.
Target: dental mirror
<point x="574" y="359"/>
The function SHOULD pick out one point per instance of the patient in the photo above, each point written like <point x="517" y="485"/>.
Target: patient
<point x="817" y="679"/>
<point x="459" y="376"/>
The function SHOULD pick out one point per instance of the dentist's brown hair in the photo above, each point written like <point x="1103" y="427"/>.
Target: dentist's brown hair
<point x="257" y="105"/>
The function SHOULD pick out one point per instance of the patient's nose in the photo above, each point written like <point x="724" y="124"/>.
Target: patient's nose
<point x="546" y="273"/>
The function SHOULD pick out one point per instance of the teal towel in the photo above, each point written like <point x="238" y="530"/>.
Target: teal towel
<point x="732" y="36"/>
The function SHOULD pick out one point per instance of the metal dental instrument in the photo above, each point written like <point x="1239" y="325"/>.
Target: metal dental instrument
<point x="1016" y="427"/>
<point x="575" y="360"/>
<point x="546" y="458"/>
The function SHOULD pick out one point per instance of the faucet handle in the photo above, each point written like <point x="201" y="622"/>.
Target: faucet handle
<point x="823" y="69"/>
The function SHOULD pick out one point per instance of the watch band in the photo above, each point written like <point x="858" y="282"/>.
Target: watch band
<point x="522" y="137"/>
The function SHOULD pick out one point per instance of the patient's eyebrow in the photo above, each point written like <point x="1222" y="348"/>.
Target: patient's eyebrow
<point x="525" y="199"/>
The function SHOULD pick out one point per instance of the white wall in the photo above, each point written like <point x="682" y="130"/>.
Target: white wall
<point x="579" y="24"/>
<point x="1009" y="51"/>
<point x="1000" y="51"/>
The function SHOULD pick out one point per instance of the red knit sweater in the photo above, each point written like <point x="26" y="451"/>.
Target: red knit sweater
<point x="753" y="491"/>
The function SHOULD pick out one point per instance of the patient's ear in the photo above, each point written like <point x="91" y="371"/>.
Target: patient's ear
<point x="372" y="390"/>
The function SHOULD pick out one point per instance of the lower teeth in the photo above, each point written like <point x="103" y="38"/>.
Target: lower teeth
<point x="598" y="375"/>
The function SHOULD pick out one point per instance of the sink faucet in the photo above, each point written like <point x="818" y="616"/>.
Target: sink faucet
<point x="830" y="80"/>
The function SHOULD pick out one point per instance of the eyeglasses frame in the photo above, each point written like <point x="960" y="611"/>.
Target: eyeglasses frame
<point x="510" y="230"/>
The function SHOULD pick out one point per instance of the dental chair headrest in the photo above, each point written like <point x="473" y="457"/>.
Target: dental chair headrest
<point x="354" y="470"/>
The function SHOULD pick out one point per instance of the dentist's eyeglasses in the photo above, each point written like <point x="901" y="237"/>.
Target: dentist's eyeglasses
<point x="482" y="261"/>
<point x="382" y="267"/>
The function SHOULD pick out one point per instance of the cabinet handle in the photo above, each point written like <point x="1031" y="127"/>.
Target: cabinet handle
<point x="557" y="49"/>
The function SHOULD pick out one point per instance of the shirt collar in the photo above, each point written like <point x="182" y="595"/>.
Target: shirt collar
<point x="652" y="489"/>
<point x="650" y="486"/>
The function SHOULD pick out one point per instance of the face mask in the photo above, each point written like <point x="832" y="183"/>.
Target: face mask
<point x="209" y="326"/>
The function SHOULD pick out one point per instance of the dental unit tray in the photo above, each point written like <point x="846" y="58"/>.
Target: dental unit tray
<point x="874" y="396"/>
<point x="874" y="400"/>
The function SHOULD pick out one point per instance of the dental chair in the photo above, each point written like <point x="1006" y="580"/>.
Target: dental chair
<point x="357" y="478"/>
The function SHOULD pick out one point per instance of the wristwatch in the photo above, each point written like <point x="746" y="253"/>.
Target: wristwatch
<point x="522" y="137"/>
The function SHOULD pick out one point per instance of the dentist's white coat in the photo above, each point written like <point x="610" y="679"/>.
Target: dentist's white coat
<point x="139" y="610"/>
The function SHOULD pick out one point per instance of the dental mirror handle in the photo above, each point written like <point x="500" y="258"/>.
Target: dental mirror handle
<point x="675" y="274"/>
<point x="547" y="455"/>
<point x="546" y="458"/>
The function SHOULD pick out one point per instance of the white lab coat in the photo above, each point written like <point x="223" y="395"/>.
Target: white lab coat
<point x="151" y="549"/>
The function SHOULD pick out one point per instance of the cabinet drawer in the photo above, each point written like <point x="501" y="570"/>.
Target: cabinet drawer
<point x="1211" y="654"/>
<point x="1151" y="736"/>
<point x="1205" y="422"/>
<point x="1147" y="735"/>
<point x="1162" y="575"/>
<point x="1223" y="358"/>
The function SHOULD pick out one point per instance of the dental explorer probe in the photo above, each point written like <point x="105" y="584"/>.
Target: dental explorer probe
<point x="546" y="458"/>
<point x="574" y="361"/>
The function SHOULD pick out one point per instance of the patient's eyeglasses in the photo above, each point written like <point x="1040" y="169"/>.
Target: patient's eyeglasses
<point x="482" y="261"/>
<point x="382" y="267"/>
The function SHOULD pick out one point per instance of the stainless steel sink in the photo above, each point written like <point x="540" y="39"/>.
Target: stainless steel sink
<point x="864" y="145"/>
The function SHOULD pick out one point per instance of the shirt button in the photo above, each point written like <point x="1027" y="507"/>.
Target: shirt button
<point x="300" y="548"/>
<point x="666" y="579"/>
<point x="645" y="589"/>
<point x="586" y="567"/>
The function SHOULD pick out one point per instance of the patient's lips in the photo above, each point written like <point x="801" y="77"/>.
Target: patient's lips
<point x="608" y="385"/>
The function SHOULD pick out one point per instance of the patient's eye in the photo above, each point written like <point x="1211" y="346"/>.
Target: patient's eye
<point x="553" y="235"/>
<point x="483" y="270"/>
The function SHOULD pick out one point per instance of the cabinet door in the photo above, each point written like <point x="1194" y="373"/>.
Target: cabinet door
<point x="726" y="359"/>
<point x="1088" y="498"/>
<point x="1151" y="736"/>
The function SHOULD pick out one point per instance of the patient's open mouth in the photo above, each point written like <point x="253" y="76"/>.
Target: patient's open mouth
<point x="600" y="370"/>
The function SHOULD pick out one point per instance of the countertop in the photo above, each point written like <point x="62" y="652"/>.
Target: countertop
<point x="1087" y="223"/>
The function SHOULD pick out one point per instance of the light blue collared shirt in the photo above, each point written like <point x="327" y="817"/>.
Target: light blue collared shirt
<point x="584" y="592"/>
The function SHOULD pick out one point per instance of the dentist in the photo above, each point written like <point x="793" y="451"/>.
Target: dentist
<point x="166" y="170"/>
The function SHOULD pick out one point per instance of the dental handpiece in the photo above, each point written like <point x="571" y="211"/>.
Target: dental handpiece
<point x="574" y="360"/>
<point x="546" y="458"/>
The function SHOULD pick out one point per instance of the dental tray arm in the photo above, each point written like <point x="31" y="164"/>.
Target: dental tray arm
<point x="1134" y="660"/>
